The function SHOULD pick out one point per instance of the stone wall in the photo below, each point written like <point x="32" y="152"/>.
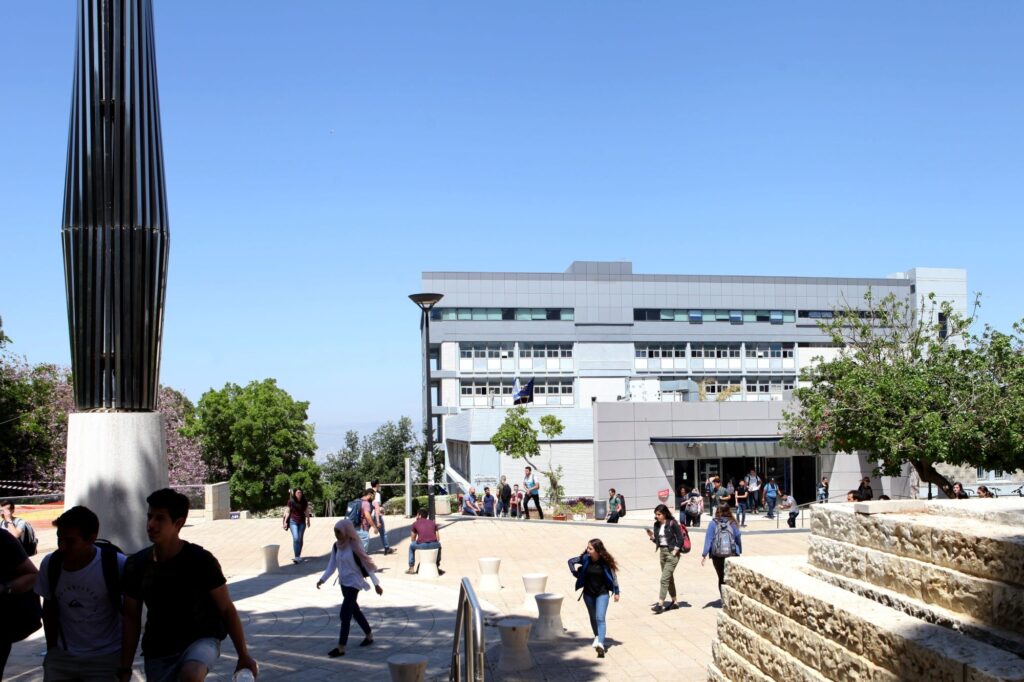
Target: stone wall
<point x="889" y="591"/>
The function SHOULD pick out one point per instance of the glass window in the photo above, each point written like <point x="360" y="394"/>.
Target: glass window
<point x="568" y="314"/>
<point x="761" y="315"/>
<point x="788" y="316"/>
<point x="696" y="317"/>
<point x="750" y="316"/>
<point x="707" y="315"/>
<point x="776" y="317"/>
<point x="736" y="317"/>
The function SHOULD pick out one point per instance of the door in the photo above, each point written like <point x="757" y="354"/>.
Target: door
<point x="684" y="476"/>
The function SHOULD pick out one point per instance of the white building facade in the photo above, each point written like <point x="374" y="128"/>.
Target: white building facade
<point x="660" y="380"/>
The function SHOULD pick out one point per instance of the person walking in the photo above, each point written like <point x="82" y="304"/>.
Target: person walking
<point x="823" y="490"/>
<point x="667" y="537"/>
<point x="694" y="508"/>
<point x="595" y="572"/>
<point x="188" y="607"/>
<point x="504" y="497"/>
<point x="771" y="496"/>
<point x="864" y="491"/>
<point x="614" y="506"/>
<point x="80" y="584"/>
<point x="789" y="503"/>
<point x="354" y="566"/>
<point x="297" y="520"/>
<point x="753" y="491"/>
<point x="742" y="495"/>
<point x="721" y="542"/>
<point x="377" y="514"/>
<point x="532" y="493"/>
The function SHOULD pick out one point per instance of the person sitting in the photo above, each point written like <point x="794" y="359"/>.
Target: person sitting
<point x="851" y="496"/>
<point x="958" y="492"/>
<point x="983" y="491"/>
<point x="425" y="535"/>
<point x="470" y="507"/>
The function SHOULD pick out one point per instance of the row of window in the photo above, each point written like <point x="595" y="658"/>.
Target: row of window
<point x="716" y="350"/>
<point x="718" y="385"/>
<point x="496" y="387"/>
<point x="491" y="314"/>
<point x="506" y="350"/>
<point x="700" y="316"/>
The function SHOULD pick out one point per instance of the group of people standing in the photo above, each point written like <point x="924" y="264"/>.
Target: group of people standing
<point x="750" y="494"/>
<point x="510" y="501"/>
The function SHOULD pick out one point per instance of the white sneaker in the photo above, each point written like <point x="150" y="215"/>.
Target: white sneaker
<point x="596" y="643"/>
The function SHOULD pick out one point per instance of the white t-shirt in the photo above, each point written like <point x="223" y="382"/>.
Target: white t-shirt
<point x="88" y="621"/>
<point x="349" y="575"/>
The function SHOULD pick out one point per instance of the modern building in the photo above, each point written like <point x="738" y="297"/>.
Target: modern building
<point x="660" y="380"/>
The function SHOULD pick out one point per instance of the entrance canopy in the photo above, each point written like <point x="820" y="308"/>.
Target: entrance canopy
<point x="719" y="447"/>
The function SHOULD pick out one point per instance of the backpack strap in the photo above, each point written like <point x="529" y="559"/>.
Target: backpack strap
<point x="112" y="577"/>
<point x="54" y="567"/>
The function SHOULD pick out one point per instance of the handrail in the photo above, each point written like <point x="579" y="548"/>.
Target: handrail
<point x="469" y="618"/>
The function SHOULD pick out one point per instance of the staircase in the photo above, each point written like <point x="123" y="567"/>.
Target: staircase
<point x="889" y="591"/>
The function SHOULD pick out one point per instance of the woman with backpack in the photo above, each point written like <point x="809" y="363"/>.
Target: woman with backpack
<point x="594" y="571"/>
<point x="671" y="541"/>
<point x="722" y="541"/>
<point x="354" y="566"/>
<point x="692" y="506"/>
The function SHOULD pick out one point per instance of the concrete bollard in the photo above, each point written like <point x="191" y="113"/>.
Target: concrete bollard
<point x="534" y="584"/>
<point x="549" y="617"/>
<point x="515" y="647"/>
<point x="428" y="563"/>
<point x="489" y="581"/>
<point x="407" y="667"/>
<point x="270" y="564"/>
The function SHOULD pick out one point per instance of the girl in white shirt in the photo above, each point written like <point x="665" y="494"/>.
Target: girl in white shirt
<point x="354" y="566"/>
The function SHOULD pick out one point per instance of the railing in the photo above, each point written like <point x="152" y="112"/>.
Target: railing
<point x="469" y="619"/>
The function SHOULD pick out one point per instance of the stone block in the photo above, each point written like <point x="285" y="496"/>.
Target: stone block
<point x="734" y="666"/>
<point x="217" y="501"/>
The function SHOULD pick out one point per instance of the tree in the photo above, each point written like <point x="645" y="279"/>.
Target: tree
<point x="517" y="438"/>
<point x="343" y="474"/>
<point x="552" y="427"/>
<point x="914" y="387"/>
<point x="260" y="435"/>
<point x="185" y="464"/>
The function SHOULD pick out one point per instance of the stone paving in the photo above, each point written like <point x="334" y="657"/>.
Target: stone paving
<point x="290" y="625"/>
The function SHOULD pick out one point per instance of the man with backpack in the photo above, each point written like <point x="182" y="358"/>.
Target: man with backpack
<point x="722" y="541"/>
<point x="359" y="514"/>
<point x="19" y="528"/>
<point x="80" y="585"/>
<point x="771" y="496"/>
<point x="616" y="506"/>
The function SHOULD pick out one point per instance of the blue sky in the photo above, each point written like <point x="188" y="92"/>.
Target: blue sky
<point x="320" y="155"/>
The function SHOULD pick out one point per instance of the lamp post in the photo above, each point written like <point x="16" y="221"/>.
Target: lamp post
<point x="425" y="303"/>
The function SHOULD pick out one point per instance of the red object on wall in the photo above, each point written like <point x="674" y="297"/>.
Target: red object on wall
<point x="663" y="494"/>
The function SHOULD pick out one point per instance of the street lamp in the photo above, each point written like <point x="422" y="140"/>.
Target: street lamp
<point x="426" y="302"/>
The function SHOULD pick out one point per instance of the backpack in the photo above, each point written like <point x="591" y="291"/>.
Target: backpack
<point x="622" y="503"/>
<point x="723" y="544"/>
<point x="111" y="574"/>
<point x="28" y="539"/>
<point x="355" y="512"/>
<point x="695" y="506"/>
<point x="687" y="545"/>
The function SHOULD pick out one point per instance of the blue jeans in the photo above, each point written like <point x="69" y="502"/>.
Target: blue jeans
<point x="413" y="546"/>
<point x="597" y="607"/>
<point x="364" y="536"/>
<point x="383" y="533"/>
<point x="298" y="530"/>
<point x="502" y="509"/>
<point x="771" y="506"/>
<point x="741" y="512"/>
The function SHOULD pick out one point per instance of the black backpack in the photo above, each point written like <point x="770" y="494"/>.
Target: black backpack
<point x="111" y="574"/>
<point x="622" y="503"/>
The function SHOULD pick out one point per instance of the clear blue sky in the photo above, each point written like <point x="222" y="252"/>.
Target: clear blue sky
<point x="321" y="154"/>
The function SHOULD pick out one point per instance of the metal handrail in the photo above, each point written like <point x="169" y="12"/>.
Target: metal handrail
<point x="469" y="618"/>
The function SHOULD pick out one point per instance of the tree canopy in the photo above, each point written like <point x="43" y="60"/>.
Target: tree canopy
<point x="914" y="386"/>
<point x="259" y="435"/>
<point x="517" y="438"/>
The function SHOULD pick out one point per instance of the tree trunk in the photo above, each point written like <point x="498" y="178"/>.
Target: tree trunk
<point x="928" y="474"/>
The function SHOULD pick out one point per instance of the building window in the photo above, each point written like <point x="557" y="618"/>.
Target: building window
<point x="485" y="387"/>
<point x="485" y="350"/>
<point x="705" y="315"/>
<point x="943" y="325"/>
<point x="498" y="314"/>
<point x="990" y="474"/>
<point x="545" y="350"/>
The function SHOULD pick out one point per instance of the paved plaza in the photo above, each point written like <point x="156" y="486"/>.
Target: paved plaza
<point x="290" y="625"/>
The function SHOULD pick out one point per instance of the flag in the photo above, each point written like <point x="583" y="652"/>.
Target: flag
<point x="522" y="394"/>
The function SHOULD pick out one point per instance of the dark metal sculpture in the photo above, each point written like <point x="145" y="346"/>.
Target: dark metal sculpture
<point x="115" y="230"/>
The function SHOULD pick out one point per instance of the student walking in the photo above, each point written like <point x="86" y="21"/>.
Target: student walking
<point x="789" y="503"/>
<point x="614" y="506"/>
<point x="667" y="536"/>
<point x="742" y="495"/>
<point x="80" y="585"/>
<point x="354" y="566"/>
<point x="297" y="520"/>
<point x="532" y="493"/>
<point x="377" y="514"/>
<point x="504" y="497"/>
<point x="693" y="507"/>
<point x="595" y="573"/>
<point x="771" y="494"/>
<point x="189" y="610"/>
<point x="721" y="542"/>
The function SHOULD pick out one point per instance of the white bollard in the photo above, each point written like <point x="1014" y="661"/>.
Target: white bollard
<point x="270" y="564"/>
<point x="534" y="584"/>
<point x="428" y="563"/>
<point x="515" y="648"/>
<point x="407" y="667"/>
<point x="489" y="581"/>
<point x="549" y="616"/>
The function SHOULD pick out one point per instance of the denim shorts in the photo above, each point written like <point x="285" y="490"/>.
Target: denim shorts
<point x="167" y="668"/>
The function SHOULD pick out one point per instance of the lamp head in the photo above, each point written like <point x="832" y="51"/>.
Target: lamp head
<point x="426" y="301"/>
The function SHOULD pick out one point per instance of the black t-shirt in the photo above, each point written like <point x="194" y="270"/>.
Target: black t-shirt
<point x="594" y="581"/>
<point x="12" y="555"/>
<point x="505" y="493"/>
<point x="297" y="510"/>
<point x="177" y="594"/>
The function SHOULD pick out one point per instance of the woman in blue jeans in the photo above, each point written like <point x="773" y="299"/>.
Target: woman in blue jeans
<point x="354" y="566"/>
<point x="594" y="571"/>
<point x="296" y="519"/>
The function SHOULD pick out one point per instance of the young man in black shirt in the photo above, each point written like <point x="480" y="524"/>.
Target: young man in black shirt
<point x="190" y="610"/>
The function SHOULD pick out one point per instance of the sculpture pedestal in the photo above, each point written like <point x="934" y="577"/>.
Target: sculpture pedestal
<point x="115" y="460"/>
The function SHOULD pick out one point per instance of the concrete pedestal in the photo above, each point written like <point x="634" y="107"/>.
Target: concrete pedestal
<point x="515" y="646"/>
<point x="270" y="561"/>
<point x="534" y="584"/>
<point x="115" y="460"/>
<point x="427" y="563"/>
<point x="549" y="617"/>
<point x="407" y="667"/>
<point x="489" y="574"/>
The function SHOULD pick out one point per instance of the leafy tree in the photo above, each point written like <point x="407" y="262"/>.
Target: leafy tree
<point x="343" y="475"/>
<point x="914" y="386"/>
<point x="552" y="427"/>
<point x="185" y="464"/>
<point x="517" y="438"/>
<point x="260" y="435"/>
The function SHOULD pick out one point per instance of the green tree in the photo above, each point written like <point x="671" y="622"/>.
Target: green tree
<point x="384" y="453"/>
<point x="343" y="472"/>
<point x="517" y="438"/>
<point x="552" y="427"/>
<point x="914" y="386"/>
<point x="260" y="436"/>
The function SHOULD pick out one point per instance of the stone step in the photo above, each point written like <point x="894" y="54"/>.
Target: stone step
<point x="907" y="647"/>
<point x="818" y="652"/>
<point x="733" y="666"/>
<point x="984" y="549"/>
<point x="983" y="602"/>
